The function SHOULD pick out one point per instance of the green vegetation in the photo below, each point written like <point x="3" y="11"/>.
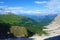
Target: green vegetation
<point x="22" y="21"/>
<point x="19" y="31"/>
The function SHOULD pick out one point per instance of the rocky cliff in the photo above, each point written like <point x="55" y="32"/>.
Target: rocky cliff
<point x="54" y="27"/>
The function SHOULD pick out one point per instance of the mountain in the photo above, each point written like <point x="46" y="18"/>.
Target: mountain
<point x="23" y="21"/>
<point x="54" y="27"/>
<point x="44" y="19"/>
<point x="53" y="30"/>
<point x="14" y="19"/>
<point x="33" y="23"/>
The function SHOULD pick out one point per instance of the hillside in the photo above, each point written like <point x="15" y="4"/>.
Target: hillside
<point x="53" y="30"/>
<point x="23" y="21"/>
<point x="55" y="22"/>
<point x="54" y="26"/>
<point x="43" y="19"/>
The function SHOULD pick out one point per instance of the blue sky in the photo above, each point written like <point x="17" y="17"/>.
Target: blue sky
<point x="41" y="7"/>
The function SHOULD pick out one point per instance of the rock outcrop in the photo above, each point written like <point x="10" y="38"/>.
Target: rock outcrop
<point x="54" y="27"/>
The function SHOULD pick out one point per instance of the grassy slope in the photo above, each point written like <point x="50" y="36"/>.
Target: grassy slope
<point x="15" y="20"/>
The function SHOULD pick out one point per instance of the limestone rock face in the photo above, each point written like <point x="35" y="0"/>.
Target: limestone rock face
<point x="54" y="27"/>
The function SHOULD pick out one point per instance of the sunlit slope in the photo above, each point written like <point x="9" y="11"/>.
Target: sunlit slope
<point x="23" y="21"/>
<point x="54" y="27"/>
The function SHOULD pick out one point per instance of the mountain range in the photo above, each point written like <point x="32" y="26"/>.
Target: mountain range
<point x="44" y="19"/>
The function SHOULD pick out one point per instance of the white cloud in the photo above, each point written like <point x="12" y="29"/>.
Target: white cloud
<point x="52" y="7"/>
<point x="18" y="10"/>
<point x="5" y="9"/>
<point x="39" y="2"/>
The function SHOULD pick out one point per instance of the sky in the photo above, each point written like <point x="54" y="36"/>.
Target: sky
<point x="37" y="7"/>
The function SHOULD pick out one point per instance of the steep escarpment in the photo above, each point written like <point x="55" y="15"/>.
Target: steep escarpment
<point x="54" y="27"/>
